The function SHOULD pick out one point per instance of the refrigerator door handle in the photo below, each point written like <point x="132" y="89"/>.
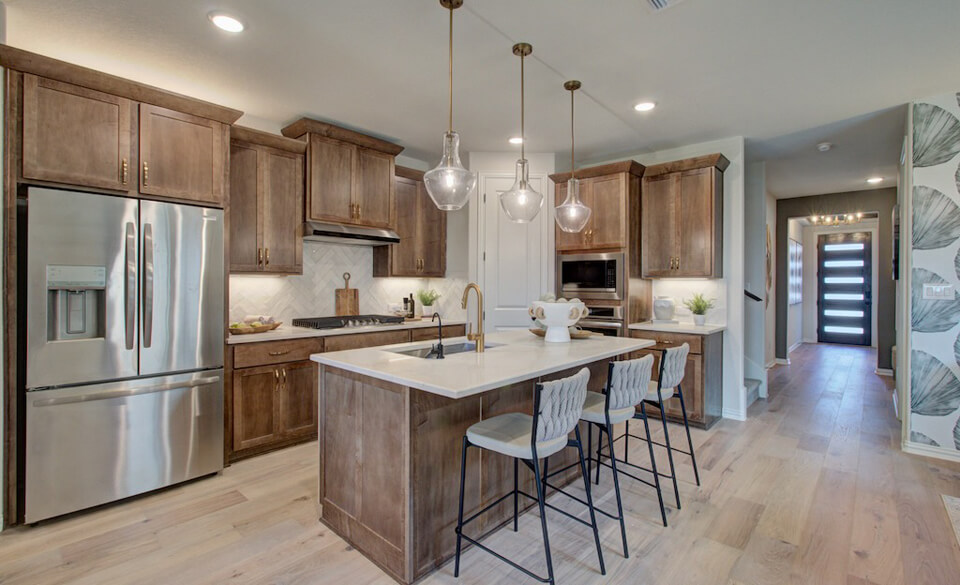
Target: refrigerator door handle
<point x="147" y="284"/>
<point x="130" y="285"/>
<point x="108" y="394"/>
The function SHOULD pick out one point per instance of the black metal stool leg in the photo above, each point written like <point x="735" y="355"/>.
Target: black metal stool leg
<point x="666" y="436"/>
<point x="590" y="449"/>
<point x="653" y="463"/>
<point x="516" y="492"/>
<point x="545" y="474"/>
<point x="616" y="489"/>
<point x="599" y="452"/>
<point x="463" y="476"/>
<point x="543" y="518"/>
<point x="586" y="485"/>
<point x="626" y="443"/>
<point x="686" y="424"/>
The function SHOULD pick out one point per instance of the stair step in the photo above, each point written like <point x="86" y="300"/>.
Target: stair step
<point x="751" y="384"/>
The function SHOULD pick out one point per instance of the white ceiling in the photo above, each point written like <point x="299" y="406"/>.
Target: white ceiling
<point x="762" y="69"/>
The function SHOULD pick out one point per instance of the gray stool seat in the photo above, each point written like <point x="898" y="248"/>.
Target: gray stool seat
<point x="596" y="402"/>
<point x="511" y="434"/>
<point x="666" y="393"/>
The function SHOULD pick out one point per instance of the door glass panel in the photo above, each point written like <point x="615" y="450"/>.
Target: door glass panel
<point x="843" y="282"/>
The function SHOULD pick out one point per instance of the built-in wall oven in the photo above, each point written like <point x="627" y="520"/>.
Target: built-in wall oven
<point x="591" y="276"/>
<point x="604" y="319"/>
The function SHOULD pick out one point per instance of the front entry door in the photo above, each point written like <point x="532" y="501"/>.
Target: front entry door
<point x="844" y="296"/>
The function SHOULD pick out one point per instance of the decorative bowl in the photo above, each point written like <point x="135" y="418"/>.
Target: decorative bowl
<point x="557" y="317"/>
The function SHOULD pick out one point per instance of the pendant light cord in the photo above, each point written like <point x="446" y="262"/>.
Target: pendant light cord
<point x="572" y="168"/>
<point x="450" y="75"/>
<point x="523" y="137"/>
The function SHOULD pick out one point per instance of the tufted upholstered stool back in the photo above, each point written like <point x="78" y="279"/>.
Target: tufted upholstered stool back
<point x="628" y="382"/>
<point x="674" y="365"/>
<point x="560" y="405"/>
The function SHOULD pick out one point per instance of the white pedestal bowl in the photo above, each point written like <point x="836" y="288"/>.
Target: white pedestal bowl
<point x="558" y="317"/>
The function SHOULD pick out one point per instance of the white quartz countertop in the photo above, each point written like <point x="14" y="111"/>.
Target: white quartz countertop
<point x="290" y="332"/>
<point x="689" y="328"/>
<point x="519" y="356"/>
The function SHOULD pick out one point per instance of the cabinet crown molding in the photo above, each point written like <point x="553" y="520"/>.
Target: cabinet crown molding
<point x="252" y="136"/>
<point x="408" y="173"/>
<point x="625" y="166"/>
<point x="700" y="162"/>
<point x="308" y="125"/>
<point x="27" y="62"/>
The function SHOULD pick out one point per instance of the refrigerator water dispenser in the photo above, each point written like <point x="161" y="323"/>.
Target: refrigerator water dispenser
<point x="76" y="297"/>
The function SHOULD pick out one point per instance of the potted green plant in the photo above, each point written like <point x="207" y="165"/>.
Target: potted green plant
<point x="427" y="299"/>
<point x="699" y="305"/>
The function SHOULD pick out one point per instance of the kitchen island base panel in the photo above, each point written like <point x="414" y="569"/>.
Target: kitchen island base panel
<point x="390" y="466"/>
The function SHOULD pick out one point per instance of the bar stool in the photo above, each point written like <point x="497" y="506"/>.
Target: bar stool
<point x="673" y="363"/>
<point x="627" y="383"/>
<point x="556" y="412"/>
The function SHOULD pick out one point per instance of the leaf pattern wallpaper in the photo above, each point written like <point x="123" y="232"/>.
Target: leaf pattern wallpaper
<point x="935" y="241"/>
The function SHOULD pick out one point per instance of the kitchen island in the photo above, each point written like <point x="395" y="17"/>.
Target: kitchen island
<point x="390" y="434"/>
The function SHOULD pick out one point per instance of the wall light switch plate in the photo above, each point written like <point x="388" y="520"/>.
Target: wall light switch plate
<point x="938" y="292"/>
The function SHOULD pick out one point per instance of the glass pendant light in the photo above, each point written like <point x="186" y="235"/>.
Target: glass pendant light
<point x="572" y="214"/>
<point x="521" y="202"/>
<point x="449" y="184"/>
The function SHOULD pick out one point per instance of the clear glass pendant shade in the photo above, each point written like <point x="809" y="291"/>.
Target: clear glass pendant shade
<point x="449" y="184"/>
<point x="521" y="202"/>
<point x="572" y="214"/>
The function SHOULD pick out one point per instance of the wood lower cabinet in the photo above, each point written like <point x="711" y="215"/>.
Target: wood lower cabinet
<point x="702" y="384"/>
<point x="349" y="175"/>
<point x="76" y="136"/>
<point x="182" y="156"/>
<point x="682" y="226"/>
<point x="266" y="203"/>
<point x="422" y="251"/>
<point x="612" y="192"/>
<point x="298" y="399"/>
<point x="255" y="404"/>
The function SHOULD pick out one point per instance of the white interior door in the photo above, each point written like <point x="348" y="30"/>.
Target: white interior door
<point x="516" y="261"/>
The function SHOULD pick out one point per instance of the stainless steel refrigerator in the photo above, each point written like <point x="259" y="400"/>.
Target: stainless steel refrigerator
<point x="124" y="349"/>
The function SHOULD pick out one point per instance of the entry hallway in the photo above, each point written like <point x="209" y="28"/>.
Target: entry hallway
<point x="811" y="489"/>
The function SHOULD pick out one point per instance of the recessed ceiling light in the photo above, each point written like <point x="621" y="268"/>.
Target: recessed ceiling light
<point x="875" y="180"/>
<point x="516" y="140"/>
<point x="824" y="146"/>
<point x="225" y="22"/>
<point x="644" y="106"/>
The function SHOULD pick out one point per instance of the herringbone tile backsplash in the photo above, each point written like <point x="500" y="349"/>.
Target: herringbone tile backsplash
<point x="312" y="294"/>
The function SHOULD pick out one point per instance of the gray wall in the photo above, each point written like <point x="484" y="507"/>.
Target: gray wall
<point x="879" y="200"/>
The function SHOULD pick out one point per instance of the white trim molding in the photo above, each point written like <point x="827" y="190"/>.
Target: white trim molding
<point x="782" y="361"/>
<point x="795" y="346"/>
<point x="884" y="372"/>
<point x="733" y="414"/>
<point x="770" y="364"/>
<point x="931" y="451"/>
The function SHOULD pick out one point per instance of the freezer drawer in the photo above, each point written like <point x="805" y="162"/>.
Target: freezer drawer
<point x="91" y="445"/>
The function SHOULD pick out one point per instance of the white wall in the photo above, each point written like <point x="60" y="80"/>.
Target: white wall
<point x="769" y="301"/>
<point x="811" y="234"/>
<point x="728" y="291"/>
<point x="795" y="312"/>
<point x="754" y="272"/>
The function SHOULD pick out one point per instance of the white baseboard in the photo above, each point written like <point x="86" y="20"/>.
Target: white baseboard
<point x="809" y="340"/>
<point x="770" y="364"/>
<point x="795" y="346"/>
<point x="782" y="361"/>
<point x="931" y="451"/>
<point x="734" y="414"/>
<point x="883" y="372"/>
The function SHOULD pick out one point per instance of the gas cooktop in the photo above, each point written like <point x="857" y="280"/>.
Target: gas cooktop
<point x="346" y="321"/>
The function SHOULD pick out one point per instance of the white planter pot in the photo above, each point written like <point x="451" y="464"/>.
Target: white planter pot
<point x="427" y="311"/>
<point x="699" y="320"/>
<point x="663" y="308"/>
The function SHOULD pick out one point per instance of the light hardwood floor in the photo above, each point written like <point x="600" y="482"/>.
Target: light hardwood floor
<point x="812" y="489"/>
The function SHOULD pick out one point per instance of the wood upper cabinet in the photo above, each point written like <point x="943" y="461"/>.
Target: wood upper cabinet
<point x="182" y="156"/>
<point x="266" y="203"/>
<point x="682" y="222"/>
<point x="75" y="135"/>
<point x="422" y="228"/>
<point x="349" y="175"/>
<point x="610" y="191"/>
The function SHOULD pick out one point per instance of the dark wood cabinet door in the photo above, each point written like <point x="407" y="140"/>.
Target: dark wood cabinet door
<point x="282" y="211"/>
<point x="373" y="189"/>
<point x="658" y="231"/>
<point x="181" y="155"/>
<point x="298" y="399"/>
<point x="607" y="200"/>
<point x="405" y="256"/>
<point x="255" y="406"/>
<point x="566" y="241"/>
<point x="330" y="180"/>
<point x="76" y="136"/>
<point x="245" y="226"/>
<point x="432" y="235"/>
<point x="696" y="224"/>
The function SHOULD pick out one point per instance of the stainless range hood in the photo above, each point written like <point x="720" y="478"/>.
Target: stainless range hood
<point x="315" y="231"/>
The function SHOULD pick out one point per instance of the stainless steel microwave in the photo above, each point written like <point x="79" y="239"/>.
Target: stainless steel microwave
<point x="591" y="276"/>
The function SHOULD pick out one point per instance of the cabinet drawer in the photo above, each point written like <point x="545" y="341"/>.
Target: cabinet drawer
<point x="431" y="332"/>
<point x="247" y="355"/>
<point x="359" y="340"/>
<point x="695" y="341"/>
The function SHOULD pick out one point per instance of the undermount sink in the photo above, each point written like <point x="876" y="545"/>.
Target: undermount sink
<point x="428" y="353"/>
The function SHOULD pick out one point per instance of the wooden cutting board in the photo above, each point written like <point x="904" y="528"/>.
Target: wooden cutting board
<point x="348" y="299"/>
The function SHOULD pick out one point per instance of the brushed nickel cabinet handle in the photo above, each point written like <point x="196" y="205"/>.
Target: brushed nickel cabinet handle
<point x="123" y="171"/>
<point x="146" y="173"/>
<point x="277" y="353"/>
